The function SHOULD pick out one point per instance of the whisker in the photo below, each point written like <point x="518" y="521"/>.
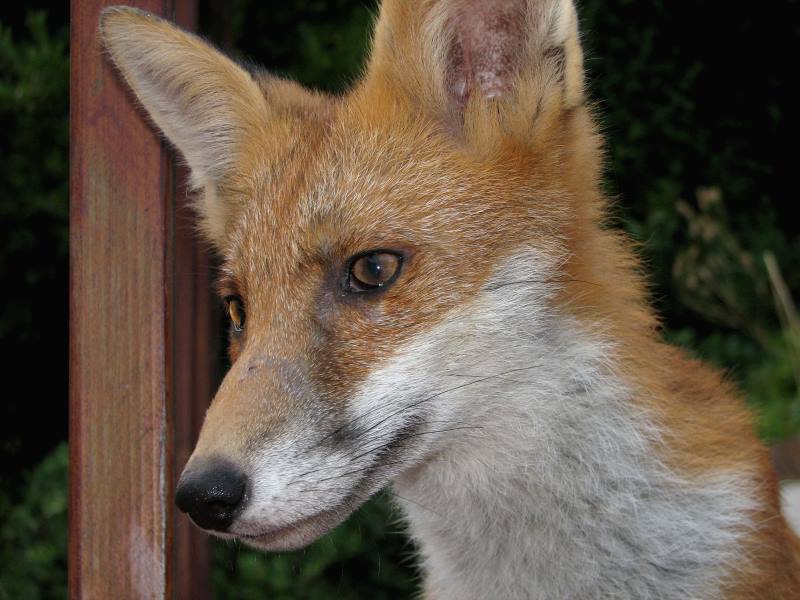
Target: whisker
<point x="412" y="435"/>
<point x="364" y="497"/>
<point x="386" y="435"/>
<point x="493" y="288"/>
<point x="385" y="445"/>
<point x="430" y="510"/>
<point x="436" y="395"/>
<point x="413" y="405"/>
<point x="362" y="441"/>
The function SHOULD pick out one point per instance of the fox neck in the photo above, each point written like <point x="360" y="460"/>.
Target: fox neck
<point x="556" y="491"/>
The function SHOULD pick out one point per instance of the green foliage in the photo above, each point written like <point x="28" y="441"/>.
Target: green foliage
<point x="33" y="533"/>
<point x="320" y="43"/>
<point x="34" y="70"/>
<point x="710" y="272"/>
<point x="33" y="171"/>
<point x="772" y="388"/>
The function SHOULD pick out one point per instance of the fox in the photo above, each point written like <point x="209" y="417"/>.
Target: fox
<point x="424" y="294"/>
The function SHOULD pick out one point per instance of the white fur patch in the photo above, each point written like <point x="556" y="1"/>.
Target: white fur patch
<point x="790" y="501"/>
<point x="547" y="486"/>
<point x="292" y="479"/>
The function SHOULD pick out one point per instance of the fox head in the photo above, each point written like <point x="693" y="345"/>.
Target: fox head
<point x="388" y="256"/>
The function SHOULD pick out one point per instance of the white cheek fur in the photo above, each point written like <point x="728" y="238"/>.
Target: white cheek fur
<point x="548" y="484"/>
<point x="530" y="474"/>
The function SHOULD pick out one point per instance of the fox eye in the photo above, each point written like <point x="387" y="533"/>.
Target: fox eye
<point x="235" y="310"/>
<point x="373" y="271"/>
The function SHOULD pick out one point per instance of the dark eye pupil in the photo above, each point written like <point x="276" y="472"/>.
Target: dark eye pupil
<point x="373" y="270"/>
<point x="374" y="267"/>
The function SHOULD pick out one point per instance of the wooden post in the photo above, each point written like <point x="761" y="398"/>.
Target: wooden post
<point x="139" y="337"/>
<point x="195" y="370"/>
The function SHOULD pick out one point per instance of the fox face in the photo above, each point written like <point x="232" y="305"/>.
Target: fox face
<point x="391" y="258"/>
<point x="422" y="294"/>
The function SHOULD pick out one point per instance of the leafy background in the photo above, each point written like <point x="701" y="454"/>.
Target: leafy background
<point x="700" y="114"/>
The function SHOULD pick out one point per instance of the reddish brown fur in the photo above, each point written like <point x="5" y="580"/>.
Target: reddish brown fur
<point x="336" y="176"/>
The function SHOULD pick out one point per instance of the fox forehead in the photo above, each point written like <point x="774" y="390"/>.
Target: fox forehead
<point x="339" y="184"/>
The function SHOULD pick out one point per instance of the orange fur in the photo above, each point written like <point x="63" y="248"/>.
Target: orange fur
<point x="394" y="163"/>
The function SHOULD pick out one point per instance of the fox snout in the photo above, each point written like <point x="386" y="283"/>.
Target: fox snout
<point x="212" y="494"/>
<point x="242" y="478"/>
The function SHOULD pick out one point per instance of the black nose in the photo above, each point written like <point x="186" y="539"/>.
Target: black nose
<point x="212" y="495"/>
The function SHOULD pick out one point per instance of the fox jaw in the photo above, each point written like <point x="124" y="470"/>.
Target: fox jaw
<point x="422" y="294"/>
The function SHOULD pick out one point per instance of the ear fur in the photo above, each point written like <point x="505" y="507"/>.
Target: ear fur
<point x="457" y="58"/>
<point x="206" y="105"/>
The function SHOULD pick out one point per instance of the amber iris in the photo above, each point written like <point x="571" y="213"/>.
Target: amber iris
<point x="374" y="270"/>
<point x="235" y="309"/>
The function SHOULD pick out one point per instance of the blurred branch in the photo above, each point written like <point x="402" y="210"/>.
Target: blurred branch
<point x="714" y="268"/>
<point x="787" y="313"/>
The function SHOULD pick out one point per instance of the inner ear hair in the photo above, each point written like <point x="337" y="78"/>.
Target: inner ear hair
<point x="484" y="52"/>
<point x="469" y="62"/>
<point x="497" y="44"/>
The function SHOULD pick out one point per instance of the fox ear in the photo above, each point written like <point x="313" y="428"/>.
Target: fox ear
<point x="449" y="55"/>
<point x="205" y="104"/>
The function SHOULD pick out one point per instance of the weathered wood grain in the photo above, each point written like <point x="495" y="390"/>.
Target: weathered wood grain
<point x="195" y="376"/>
<point x="134" y="373"/>
<point x="195" y="370"/>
